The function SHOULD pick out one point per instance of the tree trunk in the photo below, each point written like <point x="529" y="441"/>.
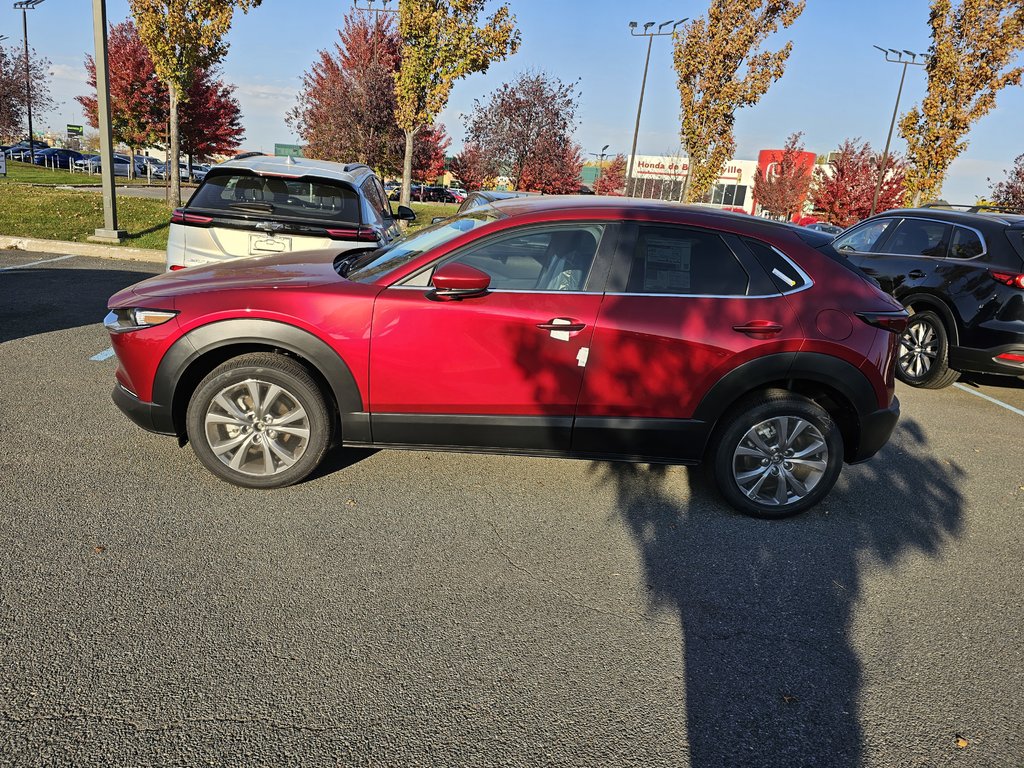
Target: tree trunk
<point x="407" y="168"/>
<point x="174" y="150"/>
<point x="917" y="200"/>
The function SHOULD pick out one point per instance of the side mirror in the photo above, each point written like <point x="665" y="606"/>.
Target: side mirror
<point x="405" y="213"/>
<point x="459" y="281"/>
<point x="438" y="219"/>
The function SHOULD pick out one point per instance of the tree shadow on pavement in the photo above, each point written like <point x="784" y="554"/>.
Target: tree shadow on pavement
<point x="38" y="301"/>
<point x="766" y="607"/>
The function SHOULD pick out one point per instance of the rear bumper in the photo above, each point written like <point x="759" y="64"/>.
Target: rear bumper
<point x="875" y="430"/>
<point x="974" y="360"/>
<point x="150" y="416"/>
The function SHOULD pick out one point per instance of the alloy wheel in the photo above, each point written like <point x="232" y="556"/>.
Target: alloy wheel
<point x="779" y="461"/>
<point x="919" y="347"/>
<point x="256" y="427"/>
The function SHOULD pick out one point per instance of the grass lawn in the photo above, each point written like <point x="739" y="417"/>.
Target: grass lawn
<point x="65" y="214"/>
<point x="26" y="173"/>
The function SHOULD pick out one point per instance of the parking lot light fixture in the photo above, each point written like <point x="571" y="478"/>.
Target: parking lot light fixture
<point x="600" y="167"/>
<point x="643" y="83"/>
<point x="24" y="6"/>
<point x="894" y="56"/>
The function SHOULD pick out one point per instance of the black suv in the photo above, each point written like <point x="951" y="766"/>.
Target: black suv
<point x="961" y="274"/>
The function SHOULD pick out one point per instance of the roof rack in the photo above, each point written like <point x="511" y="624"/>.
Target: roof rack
<point x="349" y="167"/>
<point x="974" y="208"/>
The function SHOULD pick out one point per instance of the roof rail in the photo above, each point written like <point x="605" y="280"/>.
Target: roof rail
<point x="984" y="208"/>
<point x="349" y="167"/>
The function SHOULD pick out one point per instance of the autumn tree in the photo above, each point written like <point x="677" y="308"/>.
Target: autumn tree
<point x="429" y="153"/>
<point x="611" y="179"/>
<point x="13" y="97"/>
<point x="721" y="67"/>
<point x="346" y="108"/>
<point x="974" y="43"/>
<point x="783" y="189"/>
<point x="524" y="126"/>
<point x="441" y="43"/>
<point x="184" y="37"/>
<point x="473" y="168"/>
<point x="843" y="191"/>
<point x="1010" y="191"/>
<point x="555" y="170"/>
<point x="210" y="120"/>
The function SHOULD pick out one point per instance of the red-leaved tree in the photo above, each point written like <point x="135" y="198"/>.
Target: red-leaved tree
<point x="1010" y="191"/>
<point x="430" y="148"/>
<point x="346" y="109"/>
<point x="471" y="167"/>
<point x="525" y="128"/>
<point x="782" y="191"/>
<point x="843" y="191"/>
<point x="210" y="120"/>
<point x="612" y="178"/>
<point x="13" y="97"/>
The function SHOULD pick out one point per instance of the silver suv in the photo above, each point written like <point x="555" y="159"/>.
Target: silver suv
<point x="263" y="205"/>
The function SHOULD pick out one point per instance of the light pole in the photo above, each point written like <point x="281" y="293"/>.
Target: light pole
<point x="24" y="6"/>
<point x="377" y="12"/>
<point x="110" y="232"/>
<point x="600" y="167"/>
<point x="894" y="57"/>
<point x="643" y="83"/>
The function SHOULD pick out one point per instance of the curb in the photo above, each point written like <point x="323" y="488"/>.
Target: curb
<point x="81" y="249"/>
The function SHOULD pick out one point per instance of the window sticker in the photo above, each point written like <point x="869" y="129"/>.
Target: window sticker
<point x="668" y="265"/>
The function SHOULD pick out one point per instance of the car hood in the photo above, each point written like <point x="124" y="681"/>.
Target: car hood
<point x="292" y="270"/>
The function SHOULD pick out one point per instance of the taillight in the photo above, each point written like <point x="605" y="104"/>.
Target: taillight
<point x="180" y="217"/>
<point x="1008" y="278"/>
<point x="361" y="234"/>
<point x="176" y="267"/>
<point x="894" y="322"/>
<point x="1011" y="357"/>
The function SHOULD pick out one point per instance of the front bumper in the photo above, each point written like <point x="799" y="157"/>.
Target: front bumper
<point x="875" y="430"/>
<point x="150" y="416"/>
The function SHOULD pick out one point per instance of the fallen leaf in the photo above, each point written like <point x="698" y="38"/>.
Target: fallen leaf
<point x="789" y="699"/>
<point x="350" y="502"/>
<point x="99" y="550"/>
<point x="961" y="742"/>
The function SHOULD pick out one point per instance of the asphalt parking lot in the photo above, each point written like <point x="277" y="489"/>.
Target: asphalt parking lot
<point x="409" y="609"/>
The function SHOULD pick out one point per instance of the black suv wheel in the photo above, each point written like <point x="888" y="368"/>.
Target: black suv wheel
<point x="923" y="358"/>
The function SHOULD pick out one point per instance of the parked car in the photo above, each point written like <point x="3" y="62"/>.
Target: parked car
<point x="458" y="193"/>
<point x="57" y="158"/>
<point x="264" y="205"/>
<point x="961" y="274"/>
<point x="88" y="163"/>
<point x="417" y="192"/>
<point x="21" y="150"/>
<point x="483" y="197"/>
<point x="824" y="226"/>
<point x="557" y="326"/>
<point x="146" y="166"/>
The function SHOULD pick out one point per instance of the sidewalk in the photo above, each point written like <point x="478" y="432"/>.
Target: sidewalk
<point x="80" y="249"/>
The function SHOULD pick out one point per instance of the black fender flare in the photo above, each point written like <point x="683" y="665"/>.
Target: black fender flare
<point x="831" y="371"/>
<point x="268" y="333"/>
<point x="936" y="304"/>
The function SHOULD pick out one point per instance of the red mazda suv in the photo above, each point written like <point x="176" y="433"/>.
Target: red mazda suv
<point x="582" y="327"/>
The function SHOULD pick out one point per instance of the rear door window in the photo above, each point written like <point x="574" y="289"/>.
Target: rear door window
<point x="919" y="237"/>
<point x="681" y="261"/>
<point x="304" y="199"/>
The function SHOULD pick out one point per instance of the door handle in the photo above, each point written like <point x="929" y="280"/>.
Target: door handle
<point x="564" y="326"/>
<point x="917" y="274"/>
<point x="759" y="328"/>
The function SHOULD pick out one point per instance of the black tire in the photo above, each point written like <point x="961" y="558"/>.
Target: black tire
<point x="271" y="440"/>
<point x="749" y="477"/>
<point x="923" y="353"/>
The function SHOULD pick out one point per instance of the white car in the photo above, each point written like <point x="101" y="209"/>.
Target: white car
<point x="263" y="205"/>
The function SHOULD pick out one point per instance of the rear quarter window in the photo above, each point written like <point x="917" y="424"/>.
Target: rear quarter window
<point x="304" y="199"/>
<point x="784" y="275"/>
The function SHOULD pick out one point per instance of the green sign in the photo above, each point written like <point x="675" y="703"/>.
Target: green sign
<point x="287" y="150"/>
<point x="76" y="130"/>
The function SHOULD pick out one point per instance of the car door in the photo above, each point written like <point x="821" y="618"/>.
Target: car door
<point x="684" y="307"/>
<point x="501" y="370"/>
<point x="905" y="258"/>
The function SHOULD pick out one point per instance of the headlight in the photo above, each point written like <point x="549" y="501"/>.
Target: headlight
<point x="135" y="318"/>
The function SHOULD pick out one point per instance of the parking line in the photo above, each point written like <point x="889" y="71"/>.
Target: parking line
<point x="106" y="354"/>
<point x="1007" y="406"/>
<point x="34" y="263"/>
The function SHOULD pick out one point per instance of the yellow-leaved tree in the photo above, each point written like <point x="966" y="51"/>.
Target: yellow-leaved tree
<point x="441" y="43"/>
<point x="721" y="67"/>
<point x="974" y="43"/>
<point x="183" y="37"/>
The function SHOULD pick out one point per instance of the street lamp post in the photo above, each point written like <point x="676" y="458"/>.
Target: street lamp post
<point x="894" y="57"/>
<point x="377" y="12"/>
<point x="643" y="83"/>
<point x="600" y="167"/>
<point x="110" y="232"/>
<point x="24" y="6"/>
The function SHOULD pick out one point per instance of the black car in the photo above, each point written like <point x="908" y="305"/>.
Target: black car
<point x="57" y="158"/>
<point x="961" y="274"/>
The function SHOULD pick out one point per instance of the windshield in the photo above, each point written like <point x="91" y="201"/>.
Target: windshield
<point x="400" y="252"/>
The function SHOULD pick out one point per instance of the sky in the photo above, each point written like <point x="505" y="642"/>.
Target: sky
<point x="836" y="85"/>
